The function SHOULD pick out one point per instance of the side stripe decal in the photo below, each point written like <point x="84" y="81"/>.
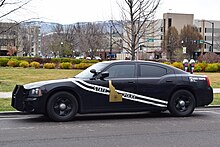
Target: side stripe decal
<point x="134" y="97"/>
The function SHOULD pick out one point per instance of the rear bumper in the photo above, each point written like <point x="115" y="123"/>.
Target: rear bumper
<point x="204" y="97"/>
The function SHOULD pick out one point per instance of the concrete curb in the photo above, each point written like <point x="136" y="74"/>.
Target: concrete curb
<point x="26" y="113"/>
<point x="13" y="113"/>
<point x="5" y="94"/>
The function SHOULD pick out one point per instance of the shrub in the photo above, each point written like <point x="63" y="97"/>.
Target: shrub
<point x="66" y="65"/>
<point x="4" y="61"/>
<point x="55" y="60"/>
<point x="218" y="64"/>
<point x="83" y="65"/>
<point x="177" y="65"/>
<point x="65" y="60"/>
<point x="38" y="59"/>
<point x="211" y="68"/>
<point x="197" y="68"/>
<point x="203" y="65"/>
<point x="76" y="61"/>
<point x="13" y="62"/>
<point x="35" y="64"/>
<point x="209" y="58"/>
<point x="24" y="64"/>
<point x="89" y="61"/>
<point x="168" y="63"/>
<point x="49" y="65"/>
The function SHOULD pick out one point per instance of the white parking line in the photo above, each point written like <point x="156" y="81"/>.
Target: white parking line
<point x="213" y="112"/>
<point x="18" y="128"/>
<point x="14" y="118"/>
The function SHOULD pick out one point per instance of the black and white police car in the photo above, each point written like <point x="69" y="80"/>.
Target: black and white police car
<point x="116" y="86"/>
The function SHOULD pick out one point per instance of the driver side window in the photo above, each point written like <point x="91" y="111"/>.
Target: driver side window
<point x="121" y="71"/>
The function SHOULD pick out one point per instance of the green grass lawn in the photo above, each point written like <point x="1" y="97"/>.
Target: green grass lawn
<point x="9" y="77"/>
<point x="214" y="78"/>
<point x="5" y="103"/>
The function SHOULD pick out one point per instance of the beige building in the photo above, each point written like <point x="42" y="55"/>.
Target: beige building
<point x="177" y="20"/>
<point x="32" y="43"/>
<point x="9" y="38"/>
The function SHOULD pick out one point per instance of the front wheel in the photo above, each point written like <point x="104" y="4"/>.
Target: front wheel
<point x="182" y="103"/>
<point x="62" y="106"/>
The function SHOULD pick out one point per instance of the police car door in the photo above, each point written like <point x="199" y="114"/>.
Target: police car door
<point x="155" y="84"/>
<point x="122" y="81"/>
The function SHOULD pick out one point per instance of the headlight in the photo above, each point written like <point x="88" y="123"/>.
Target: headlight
<point x="35" y="92"/>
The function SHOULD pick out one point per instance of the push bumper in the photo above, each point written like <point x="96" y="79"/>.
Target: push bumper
<point x="21" y="101"/>
<point x="18" y="97"/>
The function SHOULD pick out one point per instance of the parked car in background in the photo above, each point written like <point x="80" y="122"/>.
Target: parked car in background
<point x="116" y="86"/>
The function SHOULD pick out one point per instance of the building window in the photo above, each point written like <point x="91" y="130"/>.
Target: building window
<point x="164" y="25"/>
<point x="169" y="22"/>
<point x="200" y="29"/>
<point x="205" y="30"/>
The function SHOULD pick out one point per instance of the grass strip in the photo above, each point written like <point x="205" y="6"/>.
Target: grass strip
<point x="5" y="103"/>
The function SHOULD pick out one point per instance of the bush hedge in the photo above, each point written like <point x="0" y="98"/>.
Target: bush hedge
<point x="4" y="61"/>
<point x="197" y="68"/>
<point x="49" y="65"/>
<point x="211" y="68"/>
<point x="177" y="65"/>
<point x="13" y="63"/>
<point x="69" y="63"/>
<point x="35" y="64"/>
<point x="66" y="65"/>
<point x="24" y="64"/>
<point x="82" y="65"/>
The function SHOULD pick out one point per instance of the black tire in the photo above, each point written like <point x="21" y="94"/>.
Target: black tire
<point x="62" y="106"/>
<point x="182" y="103"/>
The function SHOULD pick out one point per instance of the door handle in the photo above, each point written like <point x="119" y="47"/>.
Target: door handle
<point x="169" y="81"/>
<point x="131" y="82"/>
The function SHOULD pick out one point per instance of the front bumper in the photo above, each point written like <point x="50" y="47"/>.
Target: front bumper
<point x="18" y="96"/>
<point x="21" y="101"/>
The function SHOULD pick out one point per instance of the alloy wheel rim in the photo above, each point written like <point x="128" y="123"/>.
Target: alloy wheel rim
<point x="182" y="103"/>
<point x="62" y="106"/>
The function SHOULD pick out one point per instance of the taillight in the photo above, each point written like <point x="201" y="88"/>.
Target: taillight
<point x="208" y="81"/>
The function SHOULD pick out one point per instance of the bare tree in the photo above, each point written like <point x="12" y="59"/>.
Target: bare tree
<point x="137" y="16"/>
<point x="8" y="7"/>
<point x="217" y="41"/>
<point x="94" y="37"/>
<point x="171" y="41"/>
<point x="189" y="36"/>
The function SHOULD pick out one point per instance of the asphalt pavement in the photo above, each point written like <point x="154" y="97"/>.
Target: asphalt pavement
<point x="121" y="129"/>
<point x="9" y="94"/>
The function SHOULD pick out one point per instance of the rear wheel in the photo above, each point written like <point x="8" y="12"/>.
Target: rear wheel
<point x="182" y="103"/>
<point x="62" y="106"/>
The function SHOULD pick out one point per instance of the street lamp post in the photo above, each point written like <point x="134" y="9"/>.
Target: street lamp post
<point x="212" y="36"/>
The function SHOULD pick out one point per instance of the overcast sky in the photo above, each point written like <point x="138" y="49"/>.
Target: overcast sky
<point x="71" y="11"/>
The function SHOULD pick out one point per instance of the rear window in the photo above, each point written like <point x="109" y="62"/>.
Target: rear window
<point x="152" y="71"/>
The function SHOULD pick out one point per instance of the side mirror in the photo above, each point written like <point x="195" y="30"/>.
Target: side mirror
<point x="104" y="75"/>
<point x="93" y="71"/>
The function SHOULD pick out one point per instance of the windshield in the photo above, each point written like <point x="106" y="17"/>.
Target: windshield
<point x="86" y="74"/>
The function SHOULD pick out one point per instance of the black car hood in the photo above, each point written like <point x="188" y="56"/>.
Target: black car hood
<point x="42" y="83"/>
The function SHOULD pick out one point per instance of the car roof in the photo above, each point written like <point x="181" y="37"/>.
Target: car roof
<point x="142" y="61"/>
